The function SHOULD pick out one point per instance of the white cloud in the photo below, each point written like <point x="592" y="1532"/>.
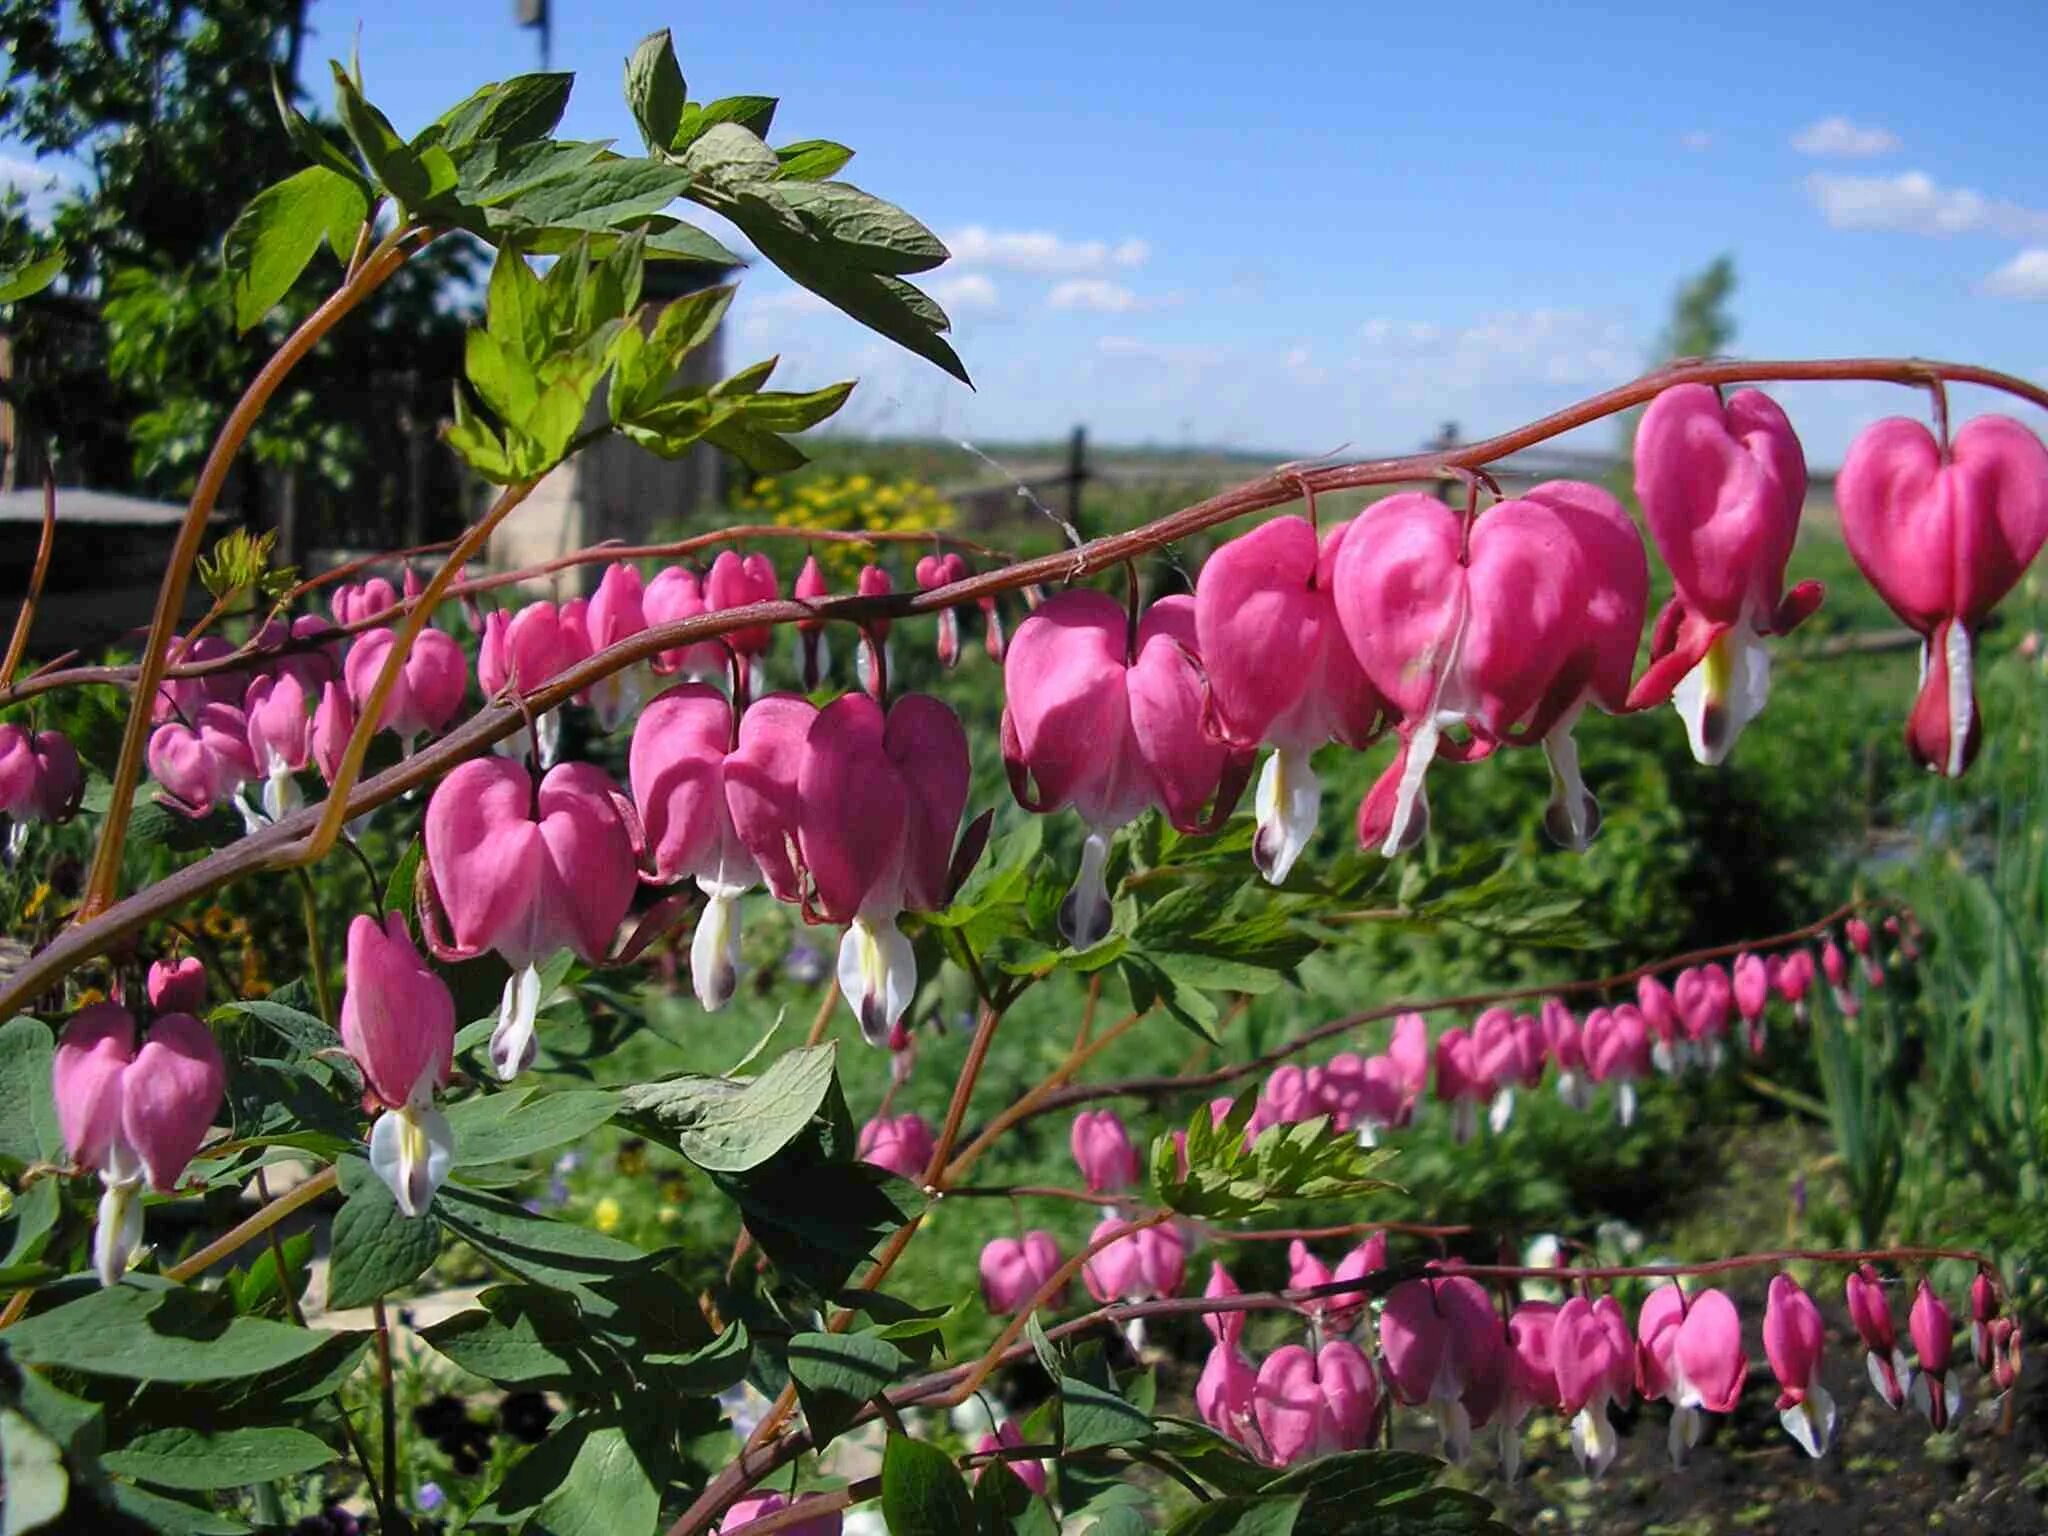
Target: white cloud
<point x="1697" y="140"/>
<point x="969" y="293"/>
<point x="1097" y="294"/>
<point x="1564" y="348"/>
<point x="38" y="184"/>
<point x="1042" y="253"/>
<point x="1914" y="203"/>
<point x="2024" y="277"/>
<point x="1838" y="138"/>
<point x="1176" y="355"/>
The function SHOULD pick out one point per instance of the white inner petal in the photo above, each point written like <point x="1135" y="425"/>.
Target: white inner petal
<point x="1726" y="691"/>
<point x="715" y="947"/>
<point x="1961" y="699"/>
<point x="118" y="1232"/>
<point x="1085" y="913"/>
<point x="877" y="974"/>
<point x="1573" y="815"/>
<point x="512" y="1043"/>
<point x="1286" y="805"/>
<point x="411" y="1151"/>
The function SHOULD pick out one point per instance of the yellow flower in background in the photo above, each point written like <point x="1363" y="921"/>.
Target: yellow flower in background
<point x="605" y="1214"/>
<point x="850" y="503"/>
<point x="35" y="902"/>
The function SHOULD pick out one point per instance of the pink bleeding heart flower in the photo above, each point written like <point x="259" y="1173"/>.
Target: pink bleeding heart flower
<point x="879" y="799"/>
<point x="357" y="602"/>
<point x="1669" y="1049"/>
<point x="1008" y="1437"/>
<point x="740" y="581"/>
<point x="1224" y="1327"/>
<point x="1594" y="1359"/>
<point x="180" y="698"/>
<point x="814" y="656"/>
<point x="280" y="740"/>
<point x="40" y="780"/>
<point x="1689" y="1352"/>
<point x="1508" y="628"/>
<point x="992" y="628"/>
<point x="1103" y="1151"/>
<point x="1338" y="1312"/>
<point x="1791" y="977"/>
<point x="1111" y="728"/>
<point x="1752" y="984"/>
<point x="311" y="666"/>
<point x="1287" y="1097"/>
<point x="677" y="594"/>
<point x="1313" y="1405"/>
<point x="1705" y="998"/>
<point x="1224" y="1395"/>
<point x="203" y="764"/>
<point x="761" y="777"/>
<point x="1933" y="1331"/>
<point x="1943" y="536"/>
<point x="1862" y="942"/>
<point x="1794" y="1339"/>
<point x="398" y="1023"/>
<point x="1617" y="1046"/>
<point x="903" y="1145"/>
<point x="1445" y="1349"/>
<point x="1721" y="485"/>
<point x="176" y="986"/>
<point x="1281" y="672"/>
<point x="1139" y="1266"/>
<point x="1531" y="1379"/>
<point x="873" y="581"/>
<point x="1983" y="1313"/>
<point x="1408" y="1055"/>
<point x="616" y="613"/>
<point x="2005" y="1353"/>
<point x="933" y="572"/>
<point x="1460" y="1083"/>
<point x="429" y="687"/>
<point x="677" y="766"/>
<point x="526" y="871"/>
<point x="1507" y="1050"/>
<point x="1015" y="1269"/>
<point x="334" y="721"/>
<point x="131" y="1115"/>
<point x="520" y="653"/>
<point x="759" y="1506"/>
<point x="1890" y="1372"/>
<point x="1564" y="1042"/>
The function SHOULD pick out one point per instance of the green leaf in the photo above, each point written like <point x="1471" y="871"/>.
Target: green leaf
<point x="1336" y="1490"/>
<point x="510" y="113"/>
<point x="504" y="380"/>
<point x="398" y="890"/>
<point x="1256" y="1515"/>
<point x="728" y="157"/>
<point x="725" y="1126"/>
<point x="30" y="278"/>
<point x="655" y="90"/>
<point x="272" y="239"/>
<point x="1094" y="1416"/>
<point x="812" y="159"/>
<point x="301" y="1033"/>
<point x="875" y="236"/>
<point x="25" y="1229"/>
<point x="375" y="1248"/>
<point x="526" y="1336"/>
<point x="837" y="1374"/>
<point x="32" y="1473"/>
<point x="756" y="114"/>
<point x="169" y="1334"/>
<point x="172" y="1517"/>
<point x="495" y="176"/>
<point x="534" y="1247"/>
<point x="783" y="411"/>
<point x="29" y="1131"/>
<point x="817" y="1222"/>
<point x="605" y="197"/>
<point x="923" y="1493"/>
<point x="762" y="452"/>
<point x="518" y="1122"/>
<point x="308" y="140"/>
<point x="229" y="1458"/>
<point x="597" y="1475"/>
<point x="261" y="1289"/>
<point x="516" y="310"/>
<point x="396" y="166"/>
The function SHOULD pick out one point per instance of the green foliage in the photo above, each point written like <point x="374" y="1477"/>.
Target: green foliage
<point x="923" y="1493"/>
<point x="1226" y="1180"/>
<point x="1700" y="324"/>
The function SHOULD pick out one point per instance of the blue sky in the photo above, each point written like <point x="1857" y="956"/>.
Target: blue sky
<point x="1298" y="227"/>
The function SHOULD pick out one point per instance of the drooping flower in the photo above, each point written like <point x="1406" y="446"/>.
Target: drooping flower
<point x="1139" y="1266"/>
<point x="1871" y="1312"/>
<point x="1013" y="1269"/>
<point x="1507" y="1051"/>
<point x="1111" y="725"/>
<point x="1312" y="1405"/>
<point x="903" y="1145"/>
<point x="1280" y="672"/>
<point x="1836" y="969"/>
<point x="1594" y="1358"/>
<point x="1933" y="1331"/>
<point x="677" y="593"/>
<point x="1508" y="627"/>
<point x="1689" y="1352"/>
<point x="176" y="986"/>
<point x="1617" y="1045"/>
<point x="1007" y="1437"/>
<point x="1564" y="1042"/>
<point x="203" y="764"/>
<point x="1983" y="1313"/>
<point x="933" y="572"/>
<point x="352" y="602"/>
<point x="1705" y="998"/>
<point x="1445" y="1348"/>
<point x="1752" y="987"/>
<point x="873" y="581"/>
<point x="526" y="870"/>
<point x="1863" y="943"/>
<point x="1459" y="1082"/>
<point x="1721" y="485"/>
<point x="131" y="1115"/>
<point x="1224" y="1327"/>
<point x="1669" y="1049"/>
<point x="1794" y="1338"/>
<point x="40" y="780"/>
<point x="617" y="612"/>
<point x="398" y="1023"/>
<point x="1103" y="1151"/>
<point x="1791" y="977"/>
<point x="1943" y="535"/>
<point x="280" y="740"/>
<point x="429" y="687"/>
<point x="1531" y="1377"/>
<point x="1338" y="1312"/>
<point x="814" y="655"/>
<point x="879" y="797"/>
<point x="1224" y="1395"/>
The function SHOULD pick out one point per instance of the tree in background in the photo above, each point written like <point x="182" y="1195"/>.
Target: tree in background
<point x="169" y="109"/>
<point x="1700" y="324"/>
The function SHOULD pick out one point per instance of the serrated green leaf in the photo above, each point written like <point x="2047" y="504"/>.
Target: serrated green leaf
<point x="837" y="1374"/>
<point x="273" y="239"/>
<point x="195" y="1459"/>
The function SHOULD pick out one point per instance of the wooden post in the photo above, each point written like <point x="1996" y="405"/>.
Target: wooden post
<point x="1077" y="475"/>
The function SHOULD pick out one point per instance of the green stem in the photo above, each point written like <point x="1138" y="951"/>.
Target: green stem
<point x="387" y="1504"/>
<point x="316" y="952"/>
